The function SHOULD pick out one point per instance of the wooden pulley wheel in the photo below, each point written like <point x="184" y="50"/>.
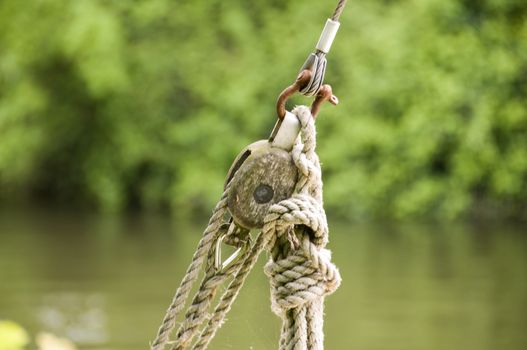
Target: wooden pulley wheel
<point x="261" y="176"/>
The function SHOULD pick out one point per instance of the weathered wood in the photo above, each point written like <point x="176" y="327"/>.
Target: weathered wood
<point x="266" y="176"/>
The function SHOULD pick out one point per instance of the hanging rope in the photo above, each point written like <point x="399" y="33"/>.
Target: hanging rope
<point x="338" y="10"/>
<point x="204" y="246"/>
<point x="300" y="269"/>
<point x="295" y="232"/>
<point x="301" y="275"/>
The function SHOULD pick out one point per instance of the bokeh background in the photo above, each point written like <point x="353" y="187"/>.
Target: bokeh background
<point x="119" y="121"/>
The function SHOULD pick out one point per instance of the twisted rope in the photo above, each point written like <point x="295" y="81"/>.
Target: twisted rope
<point x="338" y="10"/>
<point x="204" y="246"/>
<point x="299" y="278"/>
<point x="196" y="313"/>
<point x="295" y="231"/>
<point x="300" y="268"/>
<point x="262" y="241"/>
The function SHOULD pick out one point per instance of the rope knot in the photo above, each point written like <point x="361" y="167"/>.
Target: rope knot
<point x="300" y="270"/>
<point x="301" y="277"/>
<point x="300" y="209"/>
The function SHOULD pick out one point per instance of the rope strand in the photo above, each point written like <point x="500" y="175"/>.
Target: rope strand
<point x="204" y="246"/>
<point x="338" y="10"/>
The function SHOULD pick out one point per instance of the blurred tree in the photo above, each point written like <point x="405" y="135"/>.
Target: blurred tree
<point x="146" y="102"/>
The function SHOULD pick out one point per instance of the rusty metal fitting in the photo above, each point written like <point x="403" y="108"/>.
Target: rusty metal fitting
<point x="324" y="94"/>
<point x="303" y="78"/>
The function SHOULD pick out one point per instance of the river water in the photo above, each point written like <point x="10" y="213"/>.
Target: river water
<point x="105" y="283"/>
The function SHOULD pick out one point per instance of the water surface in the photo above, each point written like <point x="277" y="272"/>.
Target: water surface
<point x="105" y="283"/>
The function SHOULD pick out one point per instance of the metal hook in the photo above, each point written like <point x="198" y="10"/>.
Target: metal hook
<point x="302" y="79"/>
<point x="324" y="94"/>
<point x="218" y="264"/>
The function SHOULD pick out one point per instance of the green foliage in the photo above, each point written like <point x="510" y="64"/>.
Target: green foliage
<point x="146" y="103"/>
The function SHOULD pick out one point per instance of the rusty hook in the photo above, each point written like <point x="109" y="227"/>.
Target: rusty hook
<point x="324" y="94"/>
<point x="302" y="79"/>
